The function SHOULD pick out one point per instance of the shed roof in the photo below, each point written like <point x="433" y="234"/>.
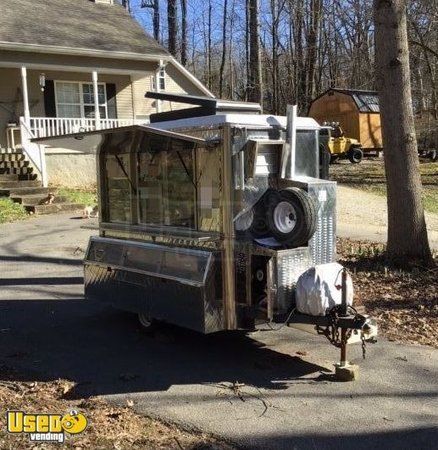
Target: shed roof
<point x="76" y="24"/>
<point x="366" y="101"/>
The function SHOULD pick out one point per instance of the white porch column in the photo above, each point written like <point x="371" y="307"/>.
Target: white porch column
<point x="157" y="86"/>
<point x="25" y="95"/>
<point x="96" y="101"/>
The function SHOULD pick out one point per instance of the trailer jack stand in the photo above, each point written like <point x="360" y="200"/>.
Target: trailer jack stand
<point x="345" y="371"/>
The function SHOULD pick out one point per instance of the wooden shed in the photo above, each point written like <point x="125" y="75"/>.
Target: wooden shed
<point x="357" y="112"/>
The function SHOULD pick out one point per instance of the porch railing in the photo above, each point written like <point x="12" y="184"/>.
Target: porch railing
<point x="34" y="152"/>
<point x="56" y="126"/>
<point x="41" y="127"/>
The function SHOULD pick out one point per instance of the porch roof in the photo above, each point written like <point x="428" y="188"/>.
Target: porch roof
<point x="74" y="24"/>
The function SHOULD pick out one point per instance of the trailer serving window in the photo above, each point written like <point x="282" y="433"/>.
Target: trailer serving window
<point x="166" y="185"/>
<point x="118" y="186"/>
<point x="154" y="177"/>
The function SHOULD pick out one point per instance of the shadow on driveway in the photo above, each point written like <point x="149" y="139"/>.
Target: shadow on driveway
<point x="106" y="352"/>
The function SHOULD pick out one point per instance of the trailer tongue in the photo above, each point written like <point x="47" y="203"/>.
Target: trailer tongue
<point x="208" y="222"/>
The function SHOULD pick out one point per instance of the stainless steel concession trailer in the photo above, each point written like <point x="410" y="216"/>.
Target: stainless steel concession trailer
<point x="208" y="216"/>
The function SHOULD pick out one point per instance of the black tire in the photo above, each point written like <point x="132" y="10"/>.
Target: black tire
<point x="355" y="155"/>
<point x="260" y="227"/>
<point x="333" y="158"/>
<point x="304" y="211"/>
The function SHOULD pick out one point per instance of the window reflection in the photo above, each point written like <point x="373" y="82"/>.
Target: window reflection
<point x="165" y="187"/>
<point x="118" y="187"/>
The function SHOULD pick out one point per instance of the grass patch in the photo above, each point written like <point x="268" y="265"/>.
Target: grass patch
<point x="369" y="176"/>
<point x="87" y="197"/>
<point x="11" y="211"/>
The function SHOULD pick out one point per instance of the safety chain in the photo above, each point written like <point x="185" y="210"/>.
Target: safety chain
<point x="364" y="344"/>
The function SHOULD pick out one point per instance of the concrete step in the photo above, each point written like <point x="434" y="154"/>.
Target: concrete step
<point x="20" y="191"/>
<point x="14" y="164"/>
<point x="19" y="184"/>
<point x="35" y="199"/>
<point x="5" y="176"/>
<point x="12" y="157"/>
<point x="54" y="208"/>
<point x="8" y="177"/>
<point x="18" y="176"/>
<point x="9" y="151"/>
<point x="16" y="171"/>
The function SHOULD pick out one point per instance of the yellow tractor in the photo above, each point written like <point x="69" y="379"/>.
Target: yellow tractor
<point x="333" y="140"/>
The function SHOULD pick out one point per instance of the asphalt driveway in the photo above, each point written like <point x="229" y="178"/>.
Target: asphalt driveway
<point x="269" y="389"/>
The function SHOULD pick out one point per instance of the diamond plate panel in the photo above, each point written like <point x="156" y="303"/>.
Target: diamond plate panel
<point x="290" y="265"/>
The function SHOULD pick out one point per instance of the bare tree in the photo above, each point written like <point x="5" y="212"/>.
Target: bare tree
<point x="224" y="49"/>
<point x="183" y="32"/>
<point x="155" y="6"/>
<point x="255" y="88"/>
<point x="172" y="25"/>
<point x="407" y="233"/>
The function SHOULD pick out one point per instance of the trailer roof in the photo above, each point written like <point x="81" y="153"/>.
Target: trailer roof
<point x="90" y="139"/>
<point x="248" y="120"/>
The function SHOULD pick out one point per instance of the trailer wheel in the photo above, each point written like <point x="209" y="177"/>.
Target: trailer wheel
<point x="292" y="220"/>
<point x="260" y="226"/>
<point x="355" y="155"/>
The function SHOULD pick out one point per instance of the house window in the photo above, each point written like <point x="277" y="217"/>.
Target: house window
<point x="161" y="80"/>
<point x="74" y="99"/>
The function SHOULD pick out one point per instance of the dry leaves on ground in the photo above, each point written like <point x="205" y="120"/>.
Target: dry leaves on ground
<point x="404" y="302"/>
<point x="109" y="427"/>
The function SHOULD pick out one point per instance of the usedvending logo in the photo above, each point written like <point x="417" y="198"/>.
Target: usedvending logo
<point x="46" y="427"/>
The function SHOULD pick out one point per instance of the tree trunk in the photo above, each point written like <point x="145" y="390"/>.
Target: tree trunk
<point x="255" y="65"/>
<point x="224" y="50"/>
<point x="155" y="5"/>
<point x="156" y="20"/>
<point x="172" y="24"/>
<point x="183" y="32"/>
<point x="209" y="53"/>
<point x="312" y="51"/>
<point x="247" y="2"/>
<point x="274" y="37"/>
<point x="407" y="233"/>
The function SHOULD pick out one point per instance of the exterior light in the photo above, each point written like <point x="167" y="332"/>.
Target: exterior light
<point x="42" y="81"/>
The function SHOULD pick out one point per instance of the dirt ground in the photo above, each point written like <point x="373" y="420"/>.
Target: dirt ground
<point x="369" y="176"/>
<point x="405" y="303"/>
<point x="361" y="203"/>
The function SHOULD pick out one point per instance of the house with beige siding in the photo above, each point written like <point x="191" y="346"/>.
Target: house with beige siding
<point x="77" y="65"/>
